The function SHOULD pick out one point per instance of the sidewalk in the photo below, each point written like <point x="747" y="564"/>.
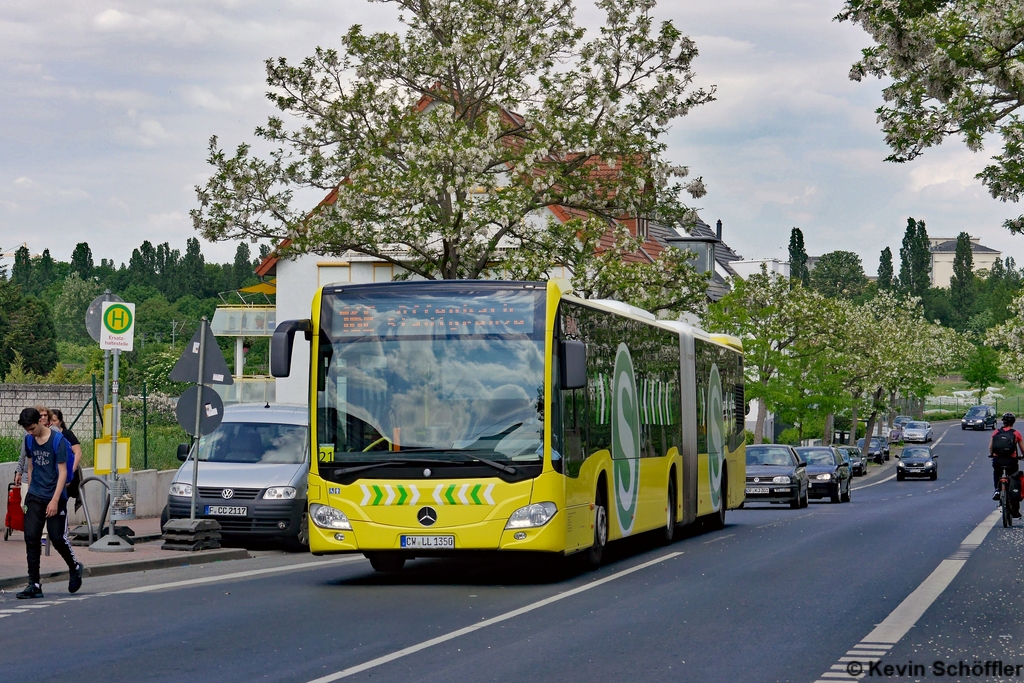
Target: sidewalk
<point x="146" y="556"/>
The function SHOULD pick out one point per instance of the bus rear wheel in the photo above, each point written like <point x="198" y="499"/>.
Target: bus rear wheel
<point x="596" y="552"/>
<point x="668" y="534"/>
<point x="386" y="562"/>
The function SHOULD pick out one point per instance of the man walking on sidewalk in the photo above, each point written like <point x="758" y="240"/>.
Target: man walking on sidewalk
<point x="46" y="501"/>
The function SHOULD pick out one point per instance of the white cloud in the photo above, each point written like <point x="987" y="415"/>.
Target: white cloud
<point x="203" y="98"/>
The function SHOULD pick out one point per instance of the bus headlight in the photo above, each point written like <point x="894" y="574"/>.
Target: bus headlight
<point x="530" y="516"/>
<point x="326" y="517"/>
<point x="280" y="493"/>
<point x="181" y="490"/>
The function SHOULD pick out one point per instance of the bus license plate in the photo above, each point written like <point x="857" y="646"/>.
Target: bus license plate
<point x="758" y="489"/>
<point x="428" y="542"/>
<point x="226" y="510"/>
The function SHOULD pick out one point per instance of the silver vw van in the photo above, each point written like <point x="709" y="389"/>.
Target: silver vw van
<point x="252" y="474"/>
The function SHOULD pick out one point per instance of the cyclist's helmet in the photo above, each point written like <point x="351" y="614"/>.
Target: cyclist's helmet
<point x="1009" y="419"/>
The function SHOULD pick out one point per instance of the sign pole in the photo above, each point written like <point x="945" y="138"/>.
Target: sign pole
<point x="114" y="426"/>
<point x="106" y="376"/>
<point x="199" y="415"/>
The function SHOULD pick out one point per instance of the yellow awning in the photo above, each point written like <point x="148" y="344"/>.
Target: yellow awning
<point x="261" y="288"/>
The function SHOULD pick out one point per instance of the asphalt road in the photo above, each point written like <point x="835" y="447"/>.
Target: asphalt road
<point x="778" y="595"/>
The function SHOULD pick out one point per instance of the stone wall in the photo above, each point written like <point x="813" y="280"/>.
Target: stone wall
<point x="68" y="397"/>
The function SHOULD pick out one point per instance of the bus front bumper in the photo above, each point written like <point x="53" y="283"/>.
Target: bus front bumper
<point x="427" y="542"/>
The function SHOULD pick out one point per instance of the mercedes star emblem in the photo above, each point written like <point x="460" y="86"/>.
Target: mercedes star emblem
<point x="426" y="516"/>
<point x="227" y="493"/>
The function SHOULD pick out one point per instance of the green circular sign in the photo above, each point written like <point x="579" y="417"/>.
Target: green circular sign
<point x="117" y="318"/>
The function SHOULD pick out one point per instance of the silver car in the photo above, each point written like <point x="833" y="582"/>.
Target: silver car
<point x="917" y="432"/>
<point x="252" y="474"/>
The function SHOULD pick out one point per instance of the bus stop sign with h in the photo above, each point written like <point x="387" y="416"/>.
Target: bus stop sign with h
<point x="116" y="334"/>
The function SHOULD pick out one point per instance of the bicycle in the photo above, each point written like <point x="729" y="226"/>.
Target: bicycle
<point x="1004" y="499"/>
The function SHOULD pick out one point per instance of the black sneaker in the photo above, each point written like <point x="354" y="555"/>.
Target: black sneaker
<point x="995" y="496"/>
<point x="76" y="578"/>
<point x="33" y="590"/>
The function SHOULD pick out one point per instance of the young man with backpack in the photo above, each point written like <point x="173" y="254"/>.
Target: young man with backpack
<point x="1005" y="446"/>
<point x="46" y="501"/>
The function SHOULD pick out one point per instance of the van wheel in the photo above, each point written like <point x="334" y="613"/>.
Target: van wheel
<point x="300" y="541"/>
<point x="596" y="551"/>
<point x="386" y="563"/>
<point x="165" y="516"/>
<point x="668" y="534"/>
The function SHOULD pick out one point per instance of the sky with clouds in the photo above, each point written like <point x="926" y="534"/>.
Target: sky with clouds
<point x="107" y="107"/>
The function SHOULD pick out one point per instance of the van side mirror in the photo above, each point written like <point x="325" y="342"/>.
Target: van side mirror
<point x="573" y="365"/>
<point x="183" y="452"/>
<point x="281" y="345"/>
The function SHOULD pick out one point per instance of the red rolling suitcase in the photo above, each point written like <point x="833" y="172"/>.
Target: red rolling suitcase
<point x="15" y="519"/>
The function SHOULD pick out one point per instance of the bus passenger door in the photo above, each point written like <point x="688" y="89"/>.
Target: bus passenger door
<point x="579" y="484"/>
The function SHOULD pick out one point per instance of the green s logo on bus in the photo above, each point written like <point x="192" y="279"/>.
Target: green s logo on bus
<point x="625" y="440"/>
<point x="716" y="436"/>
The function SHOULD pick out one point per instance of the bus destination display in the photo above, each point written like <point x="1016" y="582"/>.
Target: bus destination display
<point x="511" y="314"/>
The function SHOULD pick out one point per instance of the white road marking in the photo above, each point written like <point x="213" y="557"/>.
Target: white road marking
<point x="412" y="649"/>
<point x="720" y="538"/>
<point x="907" y="613"/>
<point x="235" y="575"/>
<point x="874" y="483"/>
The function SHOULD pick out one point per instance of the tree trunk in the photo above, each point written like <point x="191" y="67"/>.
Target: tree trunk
<point x="892" y="409"/>
<point x="826" y="437"/>
<point x="759" y="424"/>
<point x="871" y="422"/>
<point x="852" y="440"/>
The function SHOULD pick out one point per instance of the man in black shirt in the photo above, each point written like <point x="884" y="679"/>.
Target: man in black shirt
<point x="46" y="500"/>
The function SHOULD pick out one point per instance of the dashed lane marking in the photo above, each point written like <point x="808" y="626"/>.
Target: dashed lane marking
<point x="720" y="538"/>
<point x="412" y="649"/>
<point x="892" y="629"/>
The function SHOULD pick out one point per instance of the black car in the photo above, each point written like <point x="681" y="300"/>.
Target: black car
<point x="776" y="474"/>
<point x="858" y="465"/>
<point x="979" y="417"/>
<point x="827" y="472"/>
<point x="876" y="451"/>
<point x="917" y="461"/>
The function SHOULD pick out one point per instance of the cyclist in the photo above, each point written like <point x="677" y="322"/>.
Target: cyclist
<point x="1005" y="447"/>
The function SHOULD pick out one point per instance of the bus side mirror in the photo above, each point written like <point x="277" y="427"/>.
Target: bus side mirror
<point x="281" y="345"/>
<point x="574" y="365"/>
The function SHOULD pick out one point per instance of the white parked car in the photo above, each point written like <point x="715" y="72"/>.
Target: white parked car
<point x="917" y="432"/>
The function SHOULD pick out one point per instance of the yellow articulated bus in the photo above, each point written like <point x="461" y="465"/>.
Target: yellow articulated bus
<point x="456" y="416"/>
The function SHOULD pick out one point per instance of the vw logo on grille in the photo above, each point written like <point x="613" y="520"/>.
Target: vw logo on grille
<point x="426" y="516"/>
<point x="227" y="493"/>
<point x="757" y="480"/>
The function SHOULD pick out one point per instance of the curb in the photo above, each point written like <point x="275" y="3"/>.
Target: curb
<point x="130" y="566"/>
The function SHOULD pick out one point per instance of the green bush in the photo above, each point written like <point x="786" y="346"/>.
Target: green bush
<point x="790" y="436"/>
<point x="9" y="448"/>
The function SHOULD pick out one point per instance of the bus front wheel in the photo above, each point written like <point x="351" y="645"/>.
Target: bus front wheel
<point x="669" y="532"/>
<point x="596" y="552"/>
<point x="385" y="562"/>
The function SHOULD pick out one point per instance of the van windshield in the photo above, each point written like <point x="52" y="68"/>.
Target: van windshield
<point x="256" y="442"/>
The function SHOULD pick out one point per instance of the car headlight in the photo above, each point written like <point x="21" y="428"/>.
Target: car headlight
<point x="181" y="490"/>
<point x="929" y="464"/>
<point x="781" y="480"/>
<point x="824" y="477"/>
<point x="899" y="465"/>
<point x="531" y="516"/>
<point x="326" y="517"/>
<point x="280" y="493"/>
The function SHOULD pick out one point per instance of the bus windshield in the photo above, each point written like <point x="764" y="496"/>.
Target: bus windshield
<point x="431" y="373"/>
